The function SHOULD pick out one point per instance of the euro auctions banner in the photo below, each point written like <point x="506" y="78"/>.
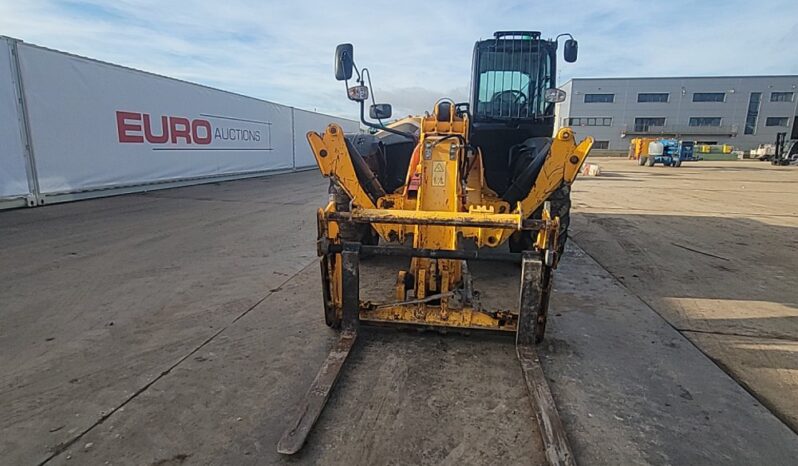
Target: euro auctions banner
<point x="13" y="175"/>
<point x="96" y="125"/>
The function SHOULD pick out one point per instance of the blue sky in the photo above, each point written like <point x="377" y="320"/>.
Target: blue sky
<point x="417" y="50"/>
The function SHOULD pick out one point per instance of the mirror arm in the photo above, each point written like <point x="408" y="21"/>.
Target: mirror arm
<point x="557" y="39"/>
<point x="359" y="77"/>
<point x="383" y="127"/>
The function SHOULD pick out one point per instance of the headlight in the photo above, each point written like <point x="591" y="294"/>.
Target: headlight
<point x="358" y="93"/>
<point x="554" y="95"/>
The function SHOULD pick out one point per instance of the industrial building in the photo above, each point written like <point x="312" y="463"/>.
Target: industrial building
<point x="743" y="111"/>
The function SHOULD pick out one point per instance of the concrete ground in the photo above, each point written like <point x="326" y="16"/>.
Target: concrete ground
<point x="713" y="248"/>
<point x="183" y="326"/>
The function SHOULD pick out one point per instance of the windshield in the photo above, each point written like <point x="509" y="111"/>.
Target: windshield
<point x="513" y="74"/>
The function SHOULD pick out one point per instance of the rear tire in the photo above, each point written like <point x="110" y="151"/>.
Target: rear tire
<point x="331" y="317"/>
<point x="642" y="160"/>
<point x="650" y="161"/>
<point x="560" y="207"/>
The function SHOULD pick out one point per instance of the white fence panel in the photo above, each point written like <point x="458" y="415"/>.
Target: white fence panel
<point x="305" y="121"/>
<point x="96" y="125"/>
<point x="13" y="173"/>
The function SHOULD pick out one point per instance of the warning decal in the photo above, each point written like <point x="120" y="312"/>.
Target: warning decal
<point x="438" y="173"/>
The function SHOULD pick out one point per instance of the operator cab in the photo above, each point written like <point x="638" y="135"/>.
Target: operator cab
<point x="510" y="77"/>
<point x="512" y="100"/>
<point x="511" y="111"/>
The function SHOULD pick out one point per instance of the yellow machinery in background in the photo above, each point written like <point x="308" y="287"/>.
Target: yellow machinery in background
<point x="638" y="148"/>
<point x="710" y="148"/>
<point x="443" y="189"/>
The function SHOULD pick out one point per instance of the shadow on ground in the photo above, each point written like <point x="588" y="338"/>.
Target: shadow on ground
<point x="728" y="283"/>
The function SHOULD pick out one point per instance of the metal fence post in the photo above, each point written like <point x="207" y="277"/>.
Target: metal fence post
<point x="34" y="198"/>
<point x="293" y="140"/>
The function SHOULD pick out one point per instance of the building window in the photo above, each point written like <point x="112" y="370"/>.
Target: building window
<point x="704" y="121"/>
<point x="601" y="144"/>
<point x="777" y="121"/>
<point x="599" y="98"/>
<point x="588" y="121"/>
<point x="709" y="96"/>
<point x="781" y="96"/>
<point x="652" y="97"/>
<point x="643" y="124"/>
<point x="753" y="112"/>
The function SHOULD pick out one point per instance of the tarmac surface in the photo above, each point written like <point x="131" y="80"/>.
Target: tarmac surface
<point x="183" y="326"/>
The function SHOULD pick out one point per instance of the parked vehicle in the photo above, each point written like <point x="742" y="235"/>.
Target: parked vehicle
<point x="638" y="147"/>
<point x="786" y="151"/>
<point x="763" y="152"/>
<point x="669" y="152"/>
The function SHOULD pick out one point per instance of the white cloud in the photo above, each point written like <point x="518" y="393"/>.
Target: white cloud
<point x="417" y="50"/>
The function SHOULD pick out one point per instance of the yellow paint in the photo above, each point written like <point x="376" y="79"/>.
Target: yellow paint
<point x="639" y="147"/>
<point x="562" y="165"/>
<point x="442" y="210"/>
<point x="436" y="316"/>
<point x="438" y="174"/>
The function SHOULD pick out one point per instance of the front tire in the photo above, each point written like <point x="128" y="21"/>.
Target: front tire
<point x="560" y="207"/>
<point x="355" y="232"/>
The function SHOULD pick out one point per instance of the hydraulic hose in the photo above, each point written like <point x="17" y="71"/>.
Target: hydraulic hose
<point x="364" y="174"/>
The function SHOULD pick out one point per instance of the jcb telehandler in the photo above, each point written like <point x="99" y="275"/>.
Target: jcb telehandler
<point x="443" y="189"/>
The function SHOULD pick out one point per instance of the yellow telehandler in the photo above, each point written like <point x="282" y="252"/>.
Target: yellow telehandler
<point x="444" y="189"/>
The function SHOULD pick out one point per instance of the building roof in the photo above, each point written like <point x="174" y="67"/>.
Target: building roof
<point x="633" y="78"/>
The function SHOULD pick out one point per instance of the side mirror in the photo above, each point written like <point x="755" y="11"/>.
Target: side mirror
<point x="344" y="59"/>
<point x="380" y="111"/>
<point x="570" y="51"/>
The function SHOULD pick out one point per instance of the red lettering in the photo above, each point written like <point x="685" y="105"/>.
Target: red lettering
<point x="151" y="138"/>
<point x="184" y="132"/>
<point x="124" y="128"/>
<point x="195" y="125"/>
<point x="130" y="128"/>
